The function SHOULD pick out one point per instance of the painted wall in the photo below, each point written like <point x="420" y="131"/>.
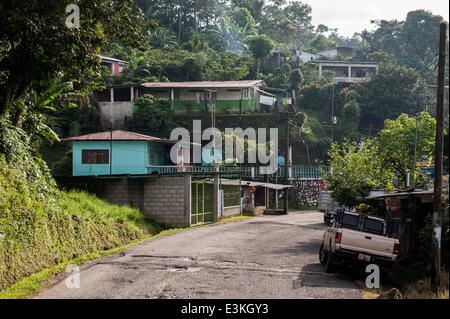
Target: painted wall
<point x="115" y="114"/>
<point x="306" y="56"/>
<point x="128" y="157"/>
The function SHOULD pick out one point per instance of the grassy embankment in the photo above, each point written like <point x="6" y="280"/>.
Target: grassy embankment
<point x="42" y="228"/>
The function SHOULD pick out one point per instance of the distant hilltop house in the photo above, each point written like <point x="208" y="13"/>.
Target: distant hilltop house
<point x="117" y="102"/>
<point x="347" y="71"/>
<point x="304" y="57"/>
<point x="115" y="66"/>
<point x="226" y="95"/>
<point x="337" y="53"/>
<point x="341" y="61"/>
<point x="277" y="58"/>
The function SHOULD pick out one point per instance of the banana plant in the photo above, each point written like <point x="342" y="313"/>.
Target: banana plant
<point x="163" y="39"/>
<point x="38" y="106"/>
<point x="233" y="35"/>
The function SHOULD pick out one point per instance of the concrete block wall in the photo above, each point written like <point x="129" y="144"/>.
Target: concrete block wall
<point x="167" y="200"/>
<point x="163" y="199"/>
<point x="114" y="191"/>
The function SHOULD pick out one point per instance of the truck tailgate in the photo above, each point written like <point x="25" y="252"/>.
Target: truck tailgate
<point x="367" y="243"/>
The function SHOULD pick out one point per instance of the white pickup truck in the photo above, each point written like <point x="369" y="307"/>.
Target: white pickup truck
<point x="356" y="237"/>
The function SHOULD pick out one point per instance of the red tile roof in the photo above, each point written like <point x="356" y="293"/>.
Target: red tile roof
<point x="117" y="135"/>
<point x="204" y="84"/>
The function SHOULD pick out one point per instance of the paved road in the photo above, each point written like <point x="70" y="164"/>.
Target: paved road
<point x="263" y="257"/>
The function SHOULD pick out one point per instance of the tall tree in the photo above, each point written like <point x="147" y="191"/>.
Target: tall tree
<point x="253" y="6"/>
<point x="404" y="137"/>
<point x="261" y="47"/>
<point x="351" y="114"/>
<point x="184" y="16"/>
<point x="413" y="42"/>
<point x="37" y="46"/>
<point x="354" y="171"/>
<point x="394" y="90"/>
<point x="289" y="25"/>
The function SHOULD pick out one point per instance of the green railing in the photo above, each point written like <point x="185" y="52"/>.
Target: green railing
<point x="296" y="172"/>
<point x="300" y="172"/>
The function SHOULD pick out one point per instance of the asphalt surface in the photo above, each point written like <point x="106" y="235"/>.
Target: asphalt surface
<point x="263" y="257"/>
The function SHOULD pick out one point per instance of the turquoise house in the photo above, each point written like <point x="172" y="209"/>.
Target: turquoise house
<point x="118" y="153"/>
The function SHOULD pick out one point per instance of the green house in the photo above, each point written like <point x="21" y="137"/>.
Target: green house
<point x="247" y="96"/>
<point x="227" y="96"/>
<point x="118" y="153"/>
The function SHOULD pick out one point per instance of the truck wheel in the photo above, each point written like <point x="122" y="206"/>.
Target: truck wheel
<point x="329" y="266"/>
<point x="323" y="255"/>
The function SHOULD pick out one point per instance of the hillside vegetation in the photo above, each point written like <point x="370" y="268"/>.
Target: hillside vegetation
<point x="41" y="229"/>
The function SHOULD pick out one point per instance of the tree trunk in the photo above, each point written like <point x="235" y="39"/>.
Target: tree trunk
<point x="11" y="93"/>
<point x="179" y="27"/>
<point x="258" y="67"/>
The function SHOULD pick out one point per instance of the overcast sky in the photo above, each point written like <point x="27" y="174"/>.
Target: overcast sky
<point x="351" y="16"/>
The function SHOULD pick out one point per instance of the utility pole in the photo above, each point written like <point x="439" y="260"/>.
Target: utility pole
<point x="413" y="185"/>
<point x="110" y="150"/>
<point x="437" y="211"/>
<point x="332" y="115"/>
<point x="216" y="201"/>
<point x="307" y="152"/>
<point x="286" y="169"/>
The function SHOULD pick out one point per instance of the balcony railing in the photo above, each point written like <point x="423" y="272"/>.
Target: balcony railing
<point x="296" y="172"/>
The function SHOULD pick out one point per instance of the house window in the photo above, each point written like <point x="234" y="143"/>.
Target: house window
<point x="245" y="94"/>
<point x="152" y="156"/>
<point x="95" y="157"/>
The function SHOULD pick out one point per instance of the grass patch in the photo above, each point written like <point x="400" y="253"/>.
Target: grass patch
<point x="366" y="292"/>
<point x="233" y="219"/>
<point x="422" y="289"/>
<point x="30" y="285"/>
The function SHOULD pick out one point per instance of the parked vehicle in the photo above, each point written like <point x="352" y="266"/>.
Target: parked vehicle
<point x="361" y="238"/>
<point x="328" y="206"/>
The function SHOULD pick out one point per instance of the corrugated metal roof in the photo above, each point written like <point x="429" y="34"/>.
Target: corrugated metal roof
<point x="117" y="135"/>
<point x="204" y="84"/>
<point x="375" y="195"/>
<point x="266" y="185"/>
<point x="345" y="62"/>
<point x="109" y="59"/>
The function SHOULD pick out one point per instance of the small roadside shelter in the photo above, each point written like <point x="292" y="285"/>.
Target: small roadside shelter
<point x="256" y="197"/>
